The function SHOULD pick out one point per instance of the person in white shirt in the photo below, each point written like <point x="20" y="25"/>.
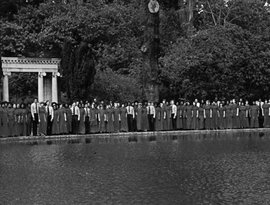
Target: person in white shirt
<point x="87" y="118"/>
<point x="75" y="117"/>
<point x="35" y="115"/>
<point x="50" y="114"/>
<point x="151" y="112"/>
<point x="173" y="114"/>
<point x="130" y="117"/>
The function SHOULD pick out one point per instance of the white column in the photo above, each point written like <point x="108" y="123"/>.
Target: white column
<point x="54" y="87"/>
<point x="5" y="86"/>
<point x="40" y="86"/>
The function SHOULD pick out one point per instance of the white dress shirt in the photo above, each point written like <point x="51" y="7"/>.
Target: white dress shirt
<point x="34" y="109"/>
<point x="130" y="111"/>
<point x="174" y="110"/>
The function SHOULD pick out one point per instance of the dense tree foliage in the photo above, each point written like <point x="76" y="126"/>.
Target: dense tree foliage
<point x="226" y="55"/>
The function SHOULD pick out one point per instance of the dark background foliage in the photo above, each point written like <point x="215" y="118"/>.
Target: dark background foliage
<point x="226" y="55"/>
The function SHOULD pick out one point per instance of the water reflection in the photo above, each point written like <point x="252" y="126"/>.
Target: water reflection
<point x="223" y="168"/>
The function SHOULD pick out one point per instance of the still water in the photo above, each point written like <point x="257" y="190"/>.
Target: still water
<point x="209" y="169"/>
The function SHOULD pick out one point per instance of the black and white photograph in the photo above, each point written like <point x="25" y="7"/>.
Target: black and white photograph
<point x="144" y="102"/>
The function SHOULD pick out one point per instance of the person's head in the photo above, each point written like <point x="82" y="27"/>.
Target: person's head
<point x="4" y="104"/>
<point x="35" y="100"/>
<point x="14" y="105"/>
<point x="172" y="102"/>
<point x="42" y="104"/>
<point x="10" y="105"/>
<point x="22" y="106"/>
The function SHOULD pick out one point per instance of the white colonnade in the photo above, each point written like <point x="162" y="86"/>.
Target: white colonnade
<point x="39" y="65"/>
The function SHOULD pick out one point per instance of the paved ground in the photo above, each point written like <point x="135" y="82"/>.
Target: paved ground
<point x="131" y="136"/>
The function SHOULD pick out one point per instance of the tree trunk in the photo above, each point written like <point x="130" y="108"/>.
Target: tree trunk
<point x="150" y="50"/>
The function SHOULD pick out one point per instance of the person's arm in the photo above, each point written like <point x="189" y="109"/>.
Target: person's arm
<point x="98" y="116"/>
<point x="165" y="114"/>
<point x="175" y="112"/>
<point x="79" y="114"/>
<point x="211" y="113"/>
<point x="52" y="113"/>
<point x="133" y="112"/>
<point x="65" y="116"/>
<point x="32" y="112"/>
<point x="204" y="114"/>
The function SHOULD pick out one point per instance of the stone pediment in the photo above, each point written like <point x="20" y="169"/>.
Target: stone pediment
<point x="47" y="87"/>
<point x="21" y="64"/>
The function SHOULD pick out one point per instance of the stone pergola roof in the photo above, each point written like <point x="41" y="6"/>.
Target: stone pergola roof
<point x="42" y="66"/>
<point x="21" y="64"/>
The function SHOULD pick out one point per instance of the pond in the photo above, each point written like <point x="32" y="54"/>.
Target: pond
<point x="201" y="169"/>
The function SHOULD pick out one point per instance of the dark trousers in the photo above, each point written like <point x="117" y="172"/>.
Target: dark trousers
<point x="151" y="122"/>
<point x="135" y="125"/>
<point x="74" y="124"/>
<point x="35" y="124"/>
<point x="173" y="122"/>
<point x="49" y="125"/>
<point x="130" y="122"/>
<point x="87" y="125"/>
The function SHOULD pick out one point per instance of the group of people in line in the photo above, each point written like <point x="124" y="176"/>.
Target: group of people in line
<point x="45" y="118"/>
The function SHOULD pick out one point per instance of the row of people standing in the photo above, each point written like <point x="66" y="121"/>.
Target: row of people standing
<point x="78" y="118"/>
